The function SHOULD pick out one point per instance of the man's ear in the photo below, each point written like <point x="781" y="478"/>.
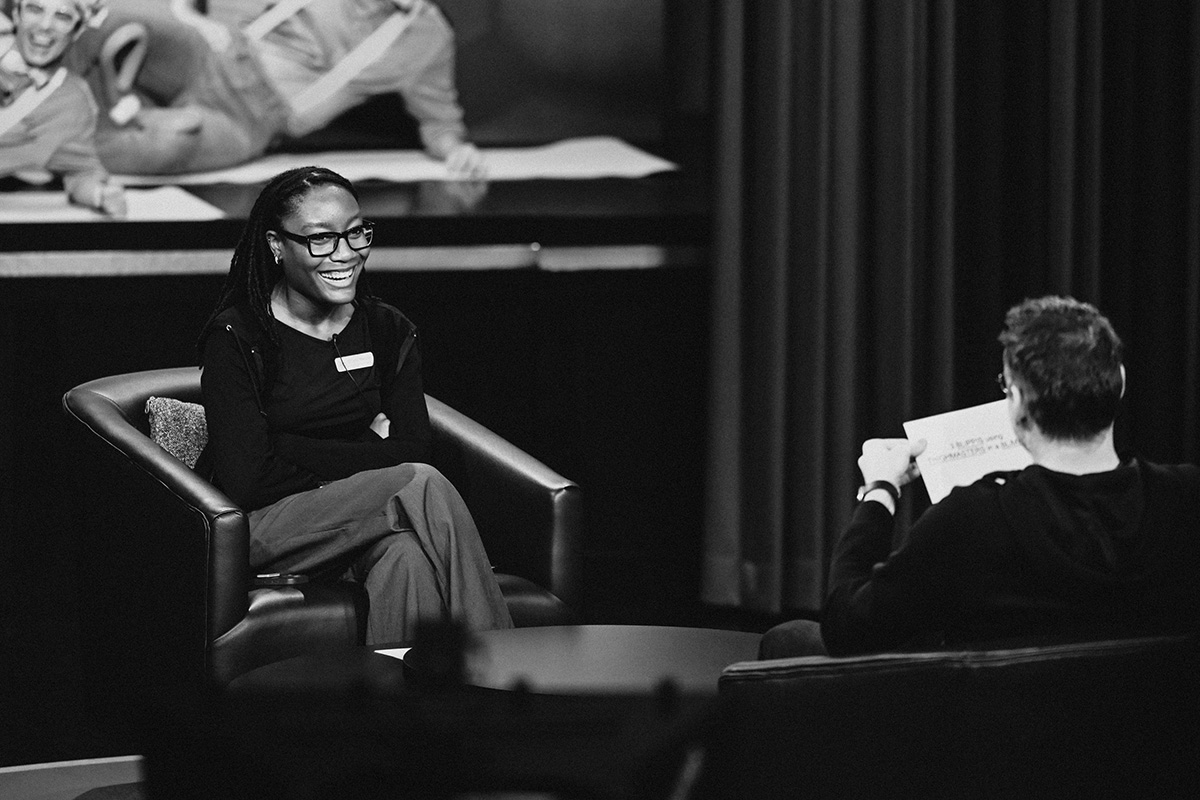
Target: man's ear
<point x="1014" y="391"/>
<point x="1123" y="382"/>
<point x="1017" y="397"/>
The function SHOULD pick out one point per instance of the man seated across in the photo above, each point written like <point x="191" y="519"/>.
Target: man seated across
<point x="218" y="92"/>
<point x="47" y="114"/>
<point x="1082" y="544"/>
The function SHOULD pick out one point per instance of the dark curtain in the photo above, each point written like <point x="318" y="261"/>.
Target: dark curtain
<point x="890" y="178"/>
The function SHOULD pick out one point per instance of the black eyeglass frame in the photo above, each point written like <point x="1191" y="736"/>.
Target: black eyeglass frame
<point x="366" y="226"/>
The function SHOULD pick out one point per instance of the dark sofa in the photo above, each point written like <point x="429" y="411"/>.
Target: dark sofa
<point x="1115" y="718"/>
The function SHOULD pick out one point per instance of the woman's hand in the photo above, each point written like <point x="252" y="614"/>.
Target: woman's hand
<point x="381" y="425"/>
<point x="890" y="460"/>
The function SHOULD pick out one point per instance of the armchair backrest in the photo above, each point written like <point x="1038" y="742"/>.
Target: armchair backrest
<point x="1109" y="718"/>
<point x="166" y="522"/>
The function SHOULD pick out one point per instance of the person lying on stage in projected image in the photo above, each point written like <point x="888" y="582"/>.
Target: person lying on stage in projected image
<point x="48" y="115"/>
<point x="205" y="93"/>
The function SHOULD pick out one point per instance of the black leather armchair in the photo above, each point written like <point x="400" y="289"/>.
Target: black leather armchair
<point x="168" y="593"/>
<point x="1115" y="718"/>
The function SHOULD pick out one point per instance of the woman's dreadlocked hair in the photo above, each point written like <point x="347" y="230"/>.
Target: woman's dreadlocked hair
<point x="253" y="272"/>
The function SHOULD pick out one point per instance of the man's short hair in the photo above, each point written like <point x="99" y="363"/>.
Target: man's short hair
<point x="1065" y="357"/>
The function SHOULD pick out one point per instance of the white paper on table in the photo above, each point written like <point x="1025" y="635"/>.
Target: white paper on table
<point x="394" y="652"/>
<point x="964" y="445"/>
<point x="165" y="203"/>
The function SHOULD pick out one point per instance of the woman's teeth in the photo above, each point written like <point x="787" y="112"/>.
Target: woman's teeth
<point x="337" y="277"/>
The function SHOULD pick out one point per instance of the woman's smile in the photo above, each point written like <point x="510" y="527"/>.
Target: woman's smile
<point x="340" y="277"/>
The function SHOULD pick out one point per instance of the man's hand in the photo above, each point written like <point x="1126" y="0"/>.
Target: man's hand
<point x="381" y="425"/>
<point x="112" y="199"/>
<point x="890" y="460"/>
<point x="465" y="162"/>
<point x="11" y="85"/>
<point x="100" y="192"/>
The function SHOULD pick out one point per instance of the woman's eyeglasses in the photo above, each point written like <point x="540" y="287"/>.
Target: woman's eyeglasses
<point x="324" y="243"/>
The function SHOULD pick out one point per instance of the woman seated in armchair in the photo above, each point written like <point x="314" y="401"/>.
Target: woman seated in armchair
<point x="317" y="419"/>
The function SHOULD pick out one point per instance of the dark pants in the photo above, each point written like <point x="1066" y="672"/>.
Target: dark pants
<point x="404" y="532"/>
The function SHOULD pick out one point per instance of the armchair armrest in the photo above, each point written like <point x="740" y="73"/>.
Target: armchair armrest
<point x="529" y="516"/>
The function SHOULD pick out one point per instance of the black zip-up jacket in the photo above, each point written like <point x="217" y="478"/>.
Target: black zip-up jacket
<point x="284" y="419"/>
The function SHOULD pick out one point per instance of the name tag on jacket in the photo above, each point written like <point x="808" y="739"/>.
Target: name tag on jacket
<point x="354" y="361"/>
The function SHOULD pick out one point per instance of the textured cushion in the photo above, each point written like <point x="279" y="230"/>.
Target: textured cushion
<point x="178" y="427"/>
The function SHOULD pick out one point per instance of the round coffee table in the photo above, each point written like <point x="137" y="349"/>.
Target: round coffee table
<point x="609" y="659"/>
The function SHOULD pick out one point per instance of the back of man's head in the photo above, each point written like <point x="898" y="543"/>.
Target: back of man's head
<point x="1065" y="358"/>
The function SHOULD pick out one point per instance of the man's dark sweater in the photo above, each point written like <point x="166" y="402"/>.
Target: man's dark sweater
<point x="1023" y="555"/>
